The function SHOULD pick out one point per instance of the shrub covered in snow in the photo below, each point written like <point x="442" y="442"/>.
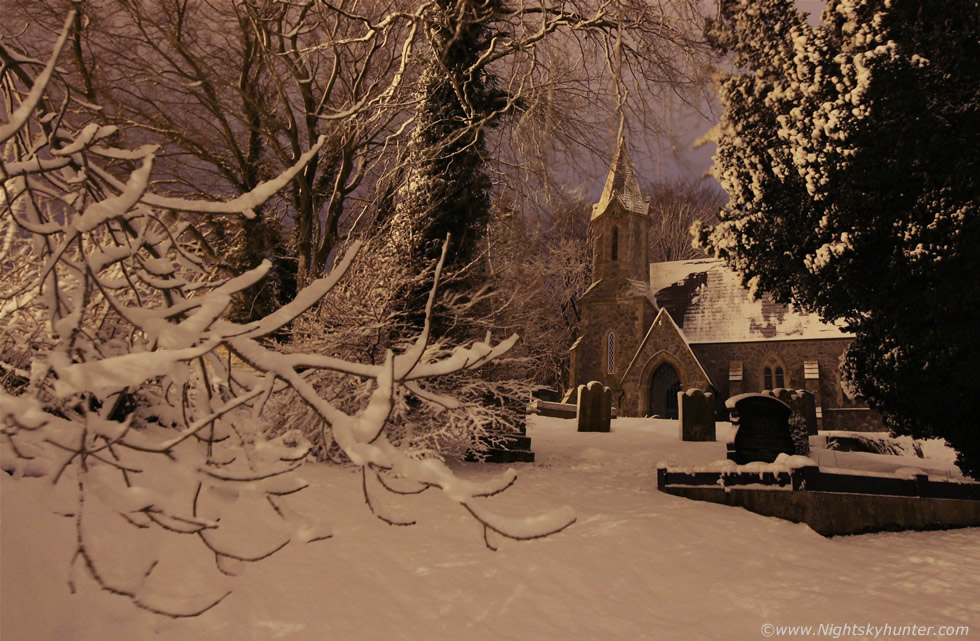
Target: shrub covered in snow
<point x="360" y="320"/>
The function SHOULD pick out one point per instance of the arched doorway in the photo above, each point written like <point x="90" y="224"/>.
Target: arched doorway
<point x="664" y="385"/>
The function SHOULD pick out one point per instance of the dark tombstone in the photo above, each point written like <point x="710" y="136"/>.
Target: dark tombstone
<point x="801" y="402"/>
<point x="516" y="413"/>
<point x="594" y="407"/>
<point x="605" y="416"/>
<point x="803" y="420"/>
<point x="808" y="409"/>
<point x="798" y="431"/>
<point x="762" y="428"/>
<point x="507" y="440"/>
<point x="697" y="415"/>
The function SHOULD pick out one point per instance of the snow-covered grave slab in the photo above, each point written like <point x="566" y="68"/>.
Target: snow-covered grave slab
<point x="550" y="409"/>
<point x="832" y="501"/>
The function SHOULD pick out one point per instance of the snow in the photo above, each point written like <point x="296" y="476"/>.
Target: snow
<point x="784" y="463"/>
<point x="733" y="400"/>
<point x="116" y="206"/>
<point x="709" y="304"/>
<point x="638" y="563"/>
<point x="91" y="132"/>
<point x="118" y="372"/>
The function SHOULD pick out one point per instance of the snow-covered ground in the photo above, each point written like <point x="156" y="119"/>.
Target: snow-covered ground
<point x="638" y="564"/>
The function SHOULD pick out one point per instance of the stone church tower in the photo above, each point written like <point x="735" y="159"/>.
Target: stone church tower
<point x="617" y="308"/>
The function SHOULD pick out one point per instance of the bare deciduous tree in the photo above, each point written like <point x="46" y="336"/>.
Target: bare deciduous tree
<point x="674" y="207"/>
<point x="234" y="91"/>
<point x="538" y="271"/>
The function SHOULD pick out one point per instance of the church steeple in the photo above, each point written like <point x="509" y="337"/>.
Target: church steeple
<point x="617" y="309"/>
<point x="621" y="185"/>
<point x="619" y="223"/>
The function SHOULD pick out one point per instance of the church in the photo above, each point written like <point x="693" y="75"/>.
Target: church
<point x="651" y="330"/>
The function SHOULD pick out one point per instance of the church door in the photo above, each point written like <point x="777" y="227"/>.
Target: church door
<point x="664" y="386"/>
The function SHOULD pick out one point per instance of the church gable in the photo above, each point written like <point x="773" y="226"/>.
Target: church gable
<point x="664" y="346"/>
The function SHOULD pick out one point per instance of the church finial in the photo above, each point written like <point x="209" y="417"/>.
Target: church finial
<point x="621" y="182"/>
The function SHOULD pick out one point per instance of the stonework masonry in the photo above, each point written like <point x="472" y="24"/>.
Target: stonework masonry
<point x="838" y="412"/>
<point x="626" y="319"/>
<point x="711" y="308"/>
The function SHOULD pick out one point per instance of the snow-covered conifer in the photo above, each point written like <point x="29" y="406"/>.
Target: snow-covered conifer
<point x="851" y="157"/>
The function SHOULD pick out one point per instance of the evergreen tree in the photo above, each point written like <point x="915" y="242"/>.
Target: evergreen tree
<point x="851" y="155"/>
<point x="444" y="187"/>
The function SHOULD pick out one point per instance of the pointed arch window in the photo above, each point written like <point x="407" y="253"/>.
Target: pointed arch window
<point x="611" y="353"/>
<point x="614" y="246"/>
<point x="773" y="376"/>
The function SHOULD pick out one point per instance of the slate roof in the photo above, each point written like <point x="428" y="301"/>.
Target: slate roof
<point x="621" y="184"/>
<point x="709" y="304"/>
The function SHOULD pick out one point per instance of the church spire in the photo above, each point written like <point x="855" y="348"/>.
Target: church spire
<point x="620" y="224"/>
<point x="621" y="185"/>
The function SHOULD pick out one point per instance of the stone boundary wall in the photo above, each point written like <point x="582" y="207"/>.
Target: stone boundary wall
<point x="835" y="504"/>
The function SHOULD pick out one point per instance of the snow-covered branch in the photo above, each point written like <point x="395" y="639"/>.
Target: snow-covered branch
<point x="123" y="381"/>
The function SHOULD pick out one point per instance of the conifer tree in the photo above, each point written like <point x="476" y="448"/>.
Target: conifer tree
<point x="851" y="155"/>
<point x="444" y="188"/>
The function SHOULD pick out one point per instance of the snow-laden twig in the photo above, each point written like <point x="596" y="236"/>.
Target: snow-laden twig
<point x="24" y="112"/>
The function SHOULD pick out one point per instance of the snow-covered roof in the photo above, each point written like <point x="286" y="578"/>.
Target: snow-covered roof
<point x="709" y="304"/>
<point x="621" y="184"/>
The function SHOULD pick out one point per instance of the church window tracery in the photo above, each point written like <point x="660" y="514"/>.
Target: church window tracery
<point x="773" y="373"/>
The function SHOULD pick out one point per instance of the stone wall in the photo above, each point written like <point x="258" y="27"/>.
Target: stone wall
<point x="715" y="359"/>
<point x="832" y="514"/>
<point x="664" y="345"/>
<point x="628" y="319"/>
<point x="854" y="419"/>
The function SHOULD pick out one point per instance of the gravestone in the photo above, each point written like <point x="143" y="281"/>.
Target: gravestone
<point x="801" y="402"/>
<point x="762" y="428"/>
<point x="803" y="416"/>
<point x="808" y="409"/>
<point x="594" y="407"/>
<point x="799" y="434"/>
<point x="697" y="415"/>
